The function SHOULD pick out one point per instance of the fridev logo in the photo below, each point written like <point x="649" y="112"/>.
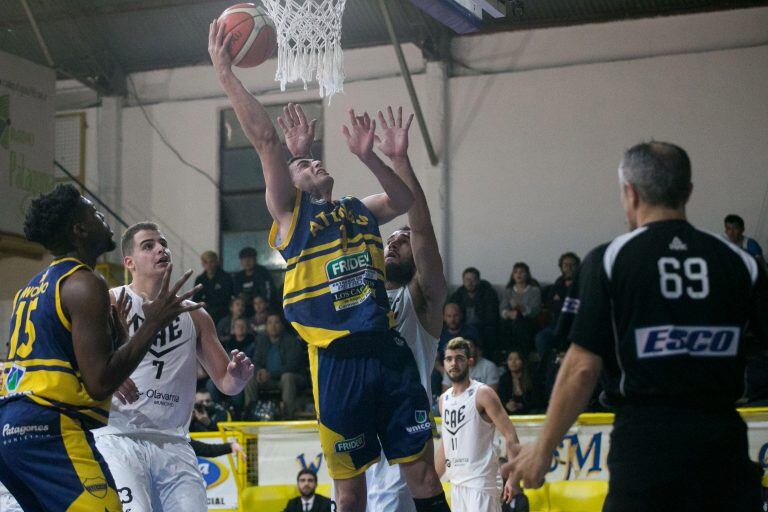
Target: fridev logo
<point x="695" y="341"/>
<point x="347" y="264"/>
<point x="349" y="445"/>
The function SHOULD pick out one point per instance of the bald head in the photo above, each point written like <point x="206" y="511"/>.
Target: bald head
<point x="452" y="316"/>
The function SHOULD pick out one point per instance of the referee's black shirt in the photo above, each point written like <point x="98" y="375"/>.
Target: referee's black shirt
<point x="666" y="307"/>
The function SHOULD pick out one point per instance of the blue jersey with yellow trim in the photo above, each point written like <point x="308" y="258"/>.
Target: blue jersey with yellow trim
<point x="41" y="364"/>
<point x="334" y="279"/>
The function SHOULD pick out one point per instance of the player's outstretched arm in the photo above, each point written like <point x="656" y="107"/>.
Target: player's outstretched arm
<point x="229" y="376"/>
<point x="430" y="281"/>
<point x="257" y="126"/>
<point x="86" y="300"/>
<point x="575" y="381"/>
<point x="397" y="197"/>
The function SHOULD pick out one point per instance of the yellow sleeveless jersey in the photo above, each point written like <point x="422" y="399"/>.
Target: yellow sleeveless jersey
<point x="41" y="364"/>
<point x="334" y="279"/>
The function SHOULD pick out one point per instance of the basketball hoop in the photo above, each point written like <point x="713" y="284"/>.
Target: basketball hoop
<point x="309" y="42"/>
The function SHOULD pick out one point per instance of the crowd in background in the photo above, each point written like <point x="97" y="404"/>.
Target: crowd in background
<point x="517" y="338"/>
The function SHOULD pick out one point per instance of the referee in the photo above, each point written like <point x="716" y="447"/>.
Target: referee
<point x="664" y="312"/>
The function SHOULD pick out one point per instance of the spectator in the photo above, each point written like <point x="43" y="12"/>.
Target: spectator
<point x="258" y="322"/>
<point x="280" y="365"/>
<point x="480" y="369"/>
<point x="734" y="231"/>
<point x="480" y="305"/>
<point x="308" y="501"/>
<point x="516" y="385"/>
<point x="224" y="326"/>
<point x="253" y="280"/>
<point x="545" y="339"/>
<point x="241" y="338"/>
<point x="454" y="327"/>
<point x="217" y="287"/>
<point x="206" y="414"/>
<point x="520" y="307"/>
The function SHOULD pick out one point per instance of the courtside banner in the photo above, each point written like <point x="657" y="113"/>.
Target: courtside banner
<point x="285" y="448"/>
<point x="224" y="475"/>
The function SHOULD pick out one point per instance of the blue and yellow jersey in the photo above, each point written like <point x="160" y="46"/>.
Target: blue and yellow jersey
<point x="334" y="279"/>
<point x="41" y="364"/>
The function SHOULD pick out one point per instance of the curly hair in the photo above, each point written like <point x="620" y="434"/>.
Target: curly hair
<point x="50" y="218"/>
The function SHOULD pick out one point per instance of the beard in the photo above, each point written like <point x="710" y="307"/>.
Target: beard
<point x="400" y="273"/>
<point x="459" y="377"/>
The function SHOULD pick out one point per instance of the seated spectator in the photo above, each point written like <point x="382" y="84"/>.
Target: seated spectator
<point x="734" y="231"/>
<point x="307" y="500"/>
<point x="280" y="364"/>
<point x="519" y="309"/>
<point x="253" y="280"/>
<point x="217" y="287"/>
<point x="516" y="385"/>
<point x="480" y="306"/>
<point x="257" y="323"/>
<point x="480" y="369"/>
<point x="206" y="414"/>
<point x="553" y="302"/>
<point x="241" y="338"/>
<point x="454" y="327"/>
<point x="224" y="326"/>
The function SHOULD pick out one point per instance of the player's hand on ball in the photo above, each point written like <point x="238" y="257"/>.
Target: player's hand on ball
<point x="164" y="307"/>
<point x="299" y="134"/>
<point x="218" y="45"/>
<point x="393" y="135"/>
<point x="359" y="135"/>
<point x="240" y="366"/>
<point x="529" y="465"/>
<point x="127" y="393"/>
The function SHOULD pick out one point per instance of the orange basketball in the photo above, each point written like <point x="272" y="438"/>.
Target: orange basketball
<point x="253" y="34"/>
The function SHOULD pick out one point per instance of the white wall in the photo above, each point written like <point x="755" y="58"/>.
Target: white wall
<point x="533" y="143"/>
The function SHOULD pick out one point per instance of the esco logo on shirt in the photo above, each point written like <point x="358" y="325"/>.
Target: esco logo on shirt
<point x="696" y="341"/>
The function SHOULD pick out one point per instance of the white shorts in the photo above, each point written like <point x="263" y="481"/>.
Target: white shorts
<point x="152" y="474"/>
<point x="467" y="499"/>
<point x="387" y="490"/>
<point x="7" y="502"/>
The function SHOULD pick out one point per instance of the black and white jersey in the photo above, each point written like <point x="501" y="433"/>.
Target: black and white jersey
<point x="666" y="307"/>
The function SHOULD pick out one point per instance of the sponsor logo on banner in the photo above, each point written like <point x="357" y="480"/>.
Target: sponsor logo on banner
<point x="349" y="445"/>
<point x="696" y="341"/>
<point x="575" y="458"/>
<point x="314" y="465"/>
<point x="570" y="305"/>
<point x="213" y="472"/>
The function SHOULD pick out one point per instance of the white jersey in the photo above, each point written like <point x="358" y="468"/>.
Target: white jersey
<point x="467" y="438"/>
<point x="166" y="379"/>
<point x="387" y="490"/>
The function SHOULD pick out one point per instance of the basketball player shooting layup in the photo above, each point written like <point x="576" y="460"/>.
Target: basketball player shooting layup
<point x="145" y="442"/>
<point x="471" y="412"/>
<point x="415" y="282"/>
<point x="335" y="297"/>
<point x="63" y="365"/>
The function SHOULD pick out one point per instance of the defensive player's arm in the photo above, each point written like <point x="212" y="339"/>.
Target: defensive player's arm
<point x="397" y="197"/>
<point x="85" y="300"/>
<point x="229" y="376"/>
<point x="258" y="128"/>
<point x="440" y="454"/>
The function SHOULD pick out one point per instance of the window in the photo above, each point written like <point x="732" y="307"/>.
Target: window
<point x="244" y="219"/>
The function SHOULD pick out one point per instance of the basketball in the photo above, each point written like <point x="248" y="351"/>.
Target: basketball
<point x="253" y="34"/>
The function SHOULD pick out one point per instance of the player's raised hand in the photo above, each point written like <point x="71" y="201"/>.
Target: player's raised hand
<point x="167" y="304"/>
<point x="127" y="393"/>
<point x="119" y="318"/>
<point x="240" y="366"/>
<point x="218" y="48"/>
<point x="392" y="138"/>
<point x="359" y="135"/>
<point x="527" y="464"/>
<point x="299" y="134"/>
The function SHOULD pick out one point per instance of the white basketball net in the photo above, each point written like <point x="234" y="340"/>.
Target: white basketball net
<point x="309" y="42"/>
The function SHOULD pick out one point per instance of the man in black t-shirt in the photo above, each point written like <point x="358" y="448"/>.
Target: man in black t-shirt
<point x="253" y="280"/>
<point x="663" y="312"/>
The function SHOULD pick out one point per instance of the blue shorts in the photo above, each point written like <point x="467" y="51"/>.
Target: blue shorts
<point x="49" y="462"/>
<point x="369" y="398"/>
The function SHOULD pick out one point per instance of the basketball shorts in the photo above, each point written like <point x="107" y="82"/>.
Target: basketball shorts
<point x="154" y="474"/>
<point x="369" y="399"/>
<point x="665" y="458"/>
<point x="467" y="499"/>
<point x="50" y="463"/>
<point x="387" y="489"/>
<point x="7" y="502"/>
